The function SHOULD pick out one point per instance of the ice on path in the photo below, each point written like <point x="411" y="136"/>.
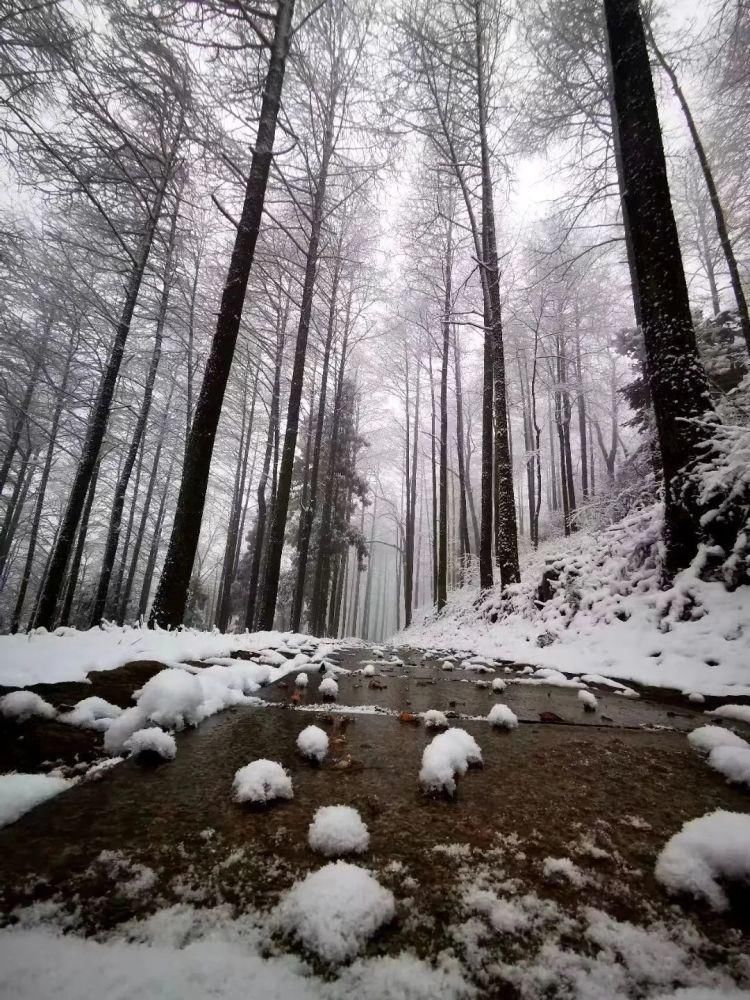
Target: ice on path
<point x="22" y="705"/>
<point x="312" y="742"/>
<point x="152" y="740"/>
<point x="335" y="910"/>
<point x="337" y="830"/>
<point x="21" y="792"/>
<point x="706" y="849"/>
<point x="261" y="781"/>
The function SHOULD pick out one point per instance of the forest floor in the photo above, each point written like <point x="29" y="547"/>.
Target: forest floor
<point x="134" y="849"/>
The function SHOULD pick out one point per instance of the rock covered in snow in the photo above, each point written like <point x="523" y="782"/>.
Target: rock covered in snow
<point x="447" y="665"/>
<point x="172" y="699"/>
<point x="696" y="697"/>
<point x="368" y="670"/>
<point x="21" y="792"/>
<point x="706" y="738"/>
<point x="337" y="830"/>
<point x="588" y="700"/>
<point x="312" y="742"/>
<point x="301" y="680"/>
<point x="152" y="740"/>
<point x="261" y="781"/>
<point x="434" y="719"/>
<point x="733" y="762"/>
<point x="502" y="717"/>
<point x="449" y="754"/>
<point x="334" y="911"/>
<point x="329" y="688"/>
<point x="22" y="705"/>
<point x="498" y="684"/>
<point x="706" y="849"/>
<point x="92" y="713"/>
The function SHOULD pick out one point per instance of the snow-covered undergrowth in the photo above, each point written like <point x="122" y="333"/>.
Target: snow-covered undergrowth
<point x="592" y="604"/>
<point x="66" y="654"/>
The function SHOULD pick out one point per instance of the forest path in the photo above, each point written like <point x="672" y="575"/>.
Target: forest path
<point x="605" y="790"/>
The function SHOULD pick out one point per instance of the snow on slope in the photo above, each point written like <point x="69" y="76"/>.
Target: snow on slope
<point x="68" y="655"/>
<point x="603" y="613"/>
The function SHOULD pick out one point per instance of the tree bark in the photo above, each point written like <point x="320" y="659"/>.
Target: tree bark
<point x="171" y="596"/>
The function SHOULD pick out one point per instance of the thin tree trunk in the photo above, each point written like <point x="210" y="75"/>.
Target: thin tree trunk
<point x="433" y="469"/>
<point x="75" y="566"/>
<point x="153" y="552"/>
<point x="442" y="585"/>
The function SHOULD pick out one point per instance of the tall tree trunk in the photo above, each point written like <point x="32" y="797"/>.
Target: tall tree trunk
<point x="713" y="193"/>
<point x="463" y="515"/>
<point x="307" y="514"/>
<point x="121" y="488"/>
<point x="282" y="316"/>
<point x="442" y="586"/>
<point x="368" y="585"/>
<point x="153" y="552"/>
<point x="411" y="498"/>
<point x="677" y="381"/>
<point x="117" y="588"/>
<point x="171" y="596"/>
<point x="22" y="415"/>
<point x="75" y="566"/>
<point x="433" y="470"/>
<point x="99" y="417"/>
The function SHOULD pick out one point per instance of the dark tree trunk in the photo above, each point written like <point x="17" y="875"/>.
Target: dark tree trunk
<point x="22" y="415"/>
<point x="677" y="381"/>
<point x="463" y="514"/>
<point x="117" y="589"/>
<point x="75" y="566"/>
<point x="153" y="552"/>
<point x="433" y="470"/>
<point x="98" y="419"/>
<point x="171" y="597"/>
<point x="411" y="500"/>
<point x="368" y="585"/>
<point x="307" y="514"/>
<point x="442" y="587"/>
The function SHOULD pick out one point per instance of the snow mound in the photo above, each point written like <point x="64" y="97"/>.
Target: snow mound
<point x="556" y="869"/>
<point x="172" y="699"/>
<point x="733" y="762"/>
<point x="706" y="738"/>
<point x="498" y="684"/>
<point x="369" y="670"/>
<point x="312" y="742"/>
<point x="21" y="792"/>
<point x="335" y="910"/>
<point x="92" y="713"/>
<point x="403" y="977"/>
<point x="589" y="702"/>
<point x="22" y="705"/>
<point x="337" y="830"/>
<point x="301" y="680"/>
<point x="261" y="781"/>
<point x="329" y="688"/>
<point x="447" y="665"/>
<point x="449" y="754"/>
<point x="152" y="740"/>
<point x="434" y="719"/>
<point x="713" y="846"/>
<point x="740" y="713"/>
<point x="502" y="717"/>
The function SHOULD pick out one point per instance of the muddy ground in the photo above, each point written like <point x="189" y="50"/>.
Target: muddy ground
<point x="606" y="789"/>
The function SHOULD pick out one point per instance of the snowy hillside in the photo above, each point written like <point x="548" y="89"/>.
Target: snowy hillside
<point x="592" y="604"/>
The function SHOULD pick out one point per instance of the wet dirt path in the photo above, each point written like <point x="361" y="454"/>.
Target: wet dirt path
<point x="606" y="789"/>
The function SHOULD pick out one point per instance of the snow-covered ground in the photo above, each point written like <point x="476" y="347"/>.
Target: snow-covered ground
<point x="43" y="657"/>
<point x="605" y="614"/>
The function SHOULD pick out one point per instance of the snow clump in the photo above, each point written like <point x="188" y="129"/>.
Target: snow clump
<point x="92" y="713"/>
<point x="337" y="830"/>
<point x="172" y="698"/>
<point x="301" y="680"/>
<point x="707" y="738"/>
<point x="21" y="792"/>
<point x="713" y="846"/>
<point x="261" y="781"/>
<point x="368" y="670"/>
<point x="732" y="762"/>
<point x="329" y="688"/>
<point x="21" y="705"/>
<point x="447" y="665"/>
<point x="434" y="719"/>
<point x="335" y="910"/>
<point x="502" y="717"/>
<point x="498" y="684"/>
<point x="312" y="742"/>
<point x="587" y="699"/>
<point x="152" y="740"/>
<point x="555" y="869"/>
<point x="740" y="713"/>
<point x="449" y="754"/>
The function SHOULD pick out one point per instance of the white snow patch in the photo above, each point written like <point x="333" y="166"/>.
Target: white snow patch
<point x="733" y="762"/>
<point x="563" y="868"/>
<point x="713" y="846"/>
<point x="369" y="670"/>
<point x="434" y="719"/>
<point x="706" y="738"/>
<point x="335" y="910"/>
<point x="301" y="680"/>
<point x="92" y="713"/>
<point x="261" y="781"/>
<point x="502" y="717"/>
<point x="312" y="742"/>
<point x="740" y="713"/>
<point x="337" y="830"/>
<point x="21" y="792"/>
<point x="152" y="740"/>
<point x="328" y="688"/>
<point x="22" y="705"/>
<point x="449" y="754"/>
<point x="588" y="700"/>
<point x="498" y="684"/>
